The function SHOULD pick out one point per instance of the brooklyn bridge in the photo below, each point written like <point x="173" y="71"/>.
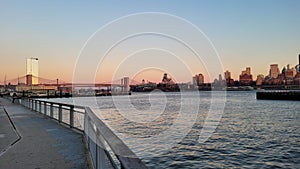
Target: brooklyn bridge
<point x="46" y="86"/>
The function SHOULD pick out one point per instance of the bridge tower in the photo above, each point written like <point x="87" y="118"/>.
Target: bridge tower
<point x="125" y="84"/>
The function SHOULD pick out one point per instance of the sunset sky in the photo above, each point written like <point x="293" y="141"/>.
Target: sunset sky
<point x="253" y="33"/>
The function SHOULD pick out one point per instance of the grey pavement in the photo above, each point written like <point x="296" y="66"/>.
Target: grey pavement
<point x="32" y="141"/>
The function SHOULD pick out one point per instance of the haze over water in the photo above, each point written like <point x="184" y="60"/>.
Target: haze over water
<point x="251" y="134"/>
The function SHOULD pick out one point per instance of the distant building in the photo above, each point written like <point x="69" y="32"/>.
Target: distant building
<point x="220" y="77"/>
<point x="297" y="76"/>
<point x="290" y="72"/>
<point x="259" y="80"/>
<point x="32" y="71"/>
<point x="229" y="80"/>
<point x="298" y="68"/>
<point x="21" y="88"/>
<point x="227" y="74"/>
<point x="274" y="71"/>
<point x="283" y="70"/>
<point x="246" y="77"/>
<point x="198" y="79"/>
<point x="297" y="79"/>
<point x="125" y="83"/>
<point x="166" y="80"/>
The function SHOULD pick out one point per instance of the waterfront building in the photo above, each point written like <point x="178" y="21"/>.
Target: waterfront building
<point x="229" y="80"/>
<point x="167" y="84"/>
<point x="283" y="70"/>
<point x="290" y="73"/>
<point x="165" y="79"/>
<point x="298" y="68"/>
<point x="246" y="77"/>
<point x="299" y="60"/>
<point x="40" y="88"/>
<point x="220" y="77"/>
<point x="198" y="79"/>
<point x="274" y="71"/>
<point x="32" y="71"/>
<point x="227" y="75"/>
<point x="259" y="80"/>
<point x="297" y="79"/>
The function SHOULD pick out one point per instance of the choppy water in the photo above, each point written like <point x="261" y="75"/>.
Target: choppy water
<point x="251" y="133"/>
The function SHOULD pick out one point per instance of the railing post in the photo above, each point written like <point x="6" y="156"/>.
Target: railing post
<point x="60" y="113"/>
<point x="45" y="108"/>
<point x="71" y="116"/>
<point x="96" y="145"/>
<point x="40" y="106"/>
<point x="51" y="110"/>
<point x="35" y="105"/>
<point x="31" y="104"/>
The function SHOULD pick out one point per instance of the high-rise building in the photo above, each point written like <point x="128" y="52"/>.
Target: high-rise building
<point x="246" y="77"/>
<point x="198" y="79"/>
<point x="32" y="71"/>
<point x="220" y="77"/>
<point x="274" y="71"/>
<point x="227" y="75"/>
<point x="229" y="80"/>
<point x="125" y="82"/>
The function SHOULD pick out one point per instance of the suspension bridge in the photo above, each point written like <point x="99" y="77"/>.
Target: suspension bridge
<point x="59" y="82"/>
<point x="118" y="86"/>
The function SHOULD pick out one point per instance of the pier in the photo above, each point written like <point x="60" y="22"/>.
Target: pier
<point x="30" y="140"/>
<point x="278" y="95"/>
<point x="45" y="134"/>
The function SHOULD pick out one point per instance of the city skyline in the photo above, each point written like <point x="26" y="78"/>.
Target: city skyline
<point x="245" y="34"/>
<point x="274" y="71"/>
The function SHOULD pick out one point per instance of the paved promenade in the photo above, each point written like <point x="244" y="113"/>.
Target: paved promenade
<point x="29" y="140"/>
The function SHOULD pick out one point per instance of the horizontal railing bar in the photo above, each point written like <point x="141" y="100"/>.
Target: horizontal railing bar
<point x="63" y="104"/>
<point x="127" y="158"/>
<point x="124" y="155"/>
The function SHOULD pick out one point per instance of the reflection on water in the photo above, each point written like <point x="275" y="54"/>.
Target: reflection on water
<point x="252" y="133"/>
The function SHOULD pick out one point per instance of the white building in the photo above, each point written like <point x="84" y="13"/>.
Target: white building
<point x="32" y="71"/>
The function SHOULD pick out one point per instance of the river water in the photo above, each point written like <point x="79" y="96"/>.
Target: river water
<point x="164" y="132"/>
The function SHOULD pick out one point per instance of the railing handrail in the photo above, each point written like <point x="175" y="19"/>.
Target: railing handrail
<point x="63" y="104"/>
<point x="127" y="158"/>
<point x="124" y="154"/>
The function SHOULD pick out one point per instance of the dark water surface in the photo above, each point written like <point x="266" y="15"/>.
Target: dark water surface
<point x="251" y="133"/>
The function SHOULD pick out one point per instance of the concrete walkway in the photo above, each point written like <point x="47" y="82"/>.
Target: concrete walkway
<point x="30" y="140"/>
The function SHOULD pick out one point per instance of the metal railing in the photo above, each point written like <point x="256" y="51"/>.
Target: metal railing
<point x="107" y="150"/>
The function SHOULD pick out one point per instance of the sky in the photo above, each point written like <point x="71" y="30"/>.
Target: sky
<point x="254" y="33"/>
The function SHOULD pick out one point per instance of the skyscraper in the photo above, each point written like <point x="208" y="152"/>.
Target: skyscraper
<point x="274" y="71"/>
<point x="198" y="79"/>
<point x="229" y="80"/>
<point x="32" y="71"/>
<point x="246" y="77"/>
